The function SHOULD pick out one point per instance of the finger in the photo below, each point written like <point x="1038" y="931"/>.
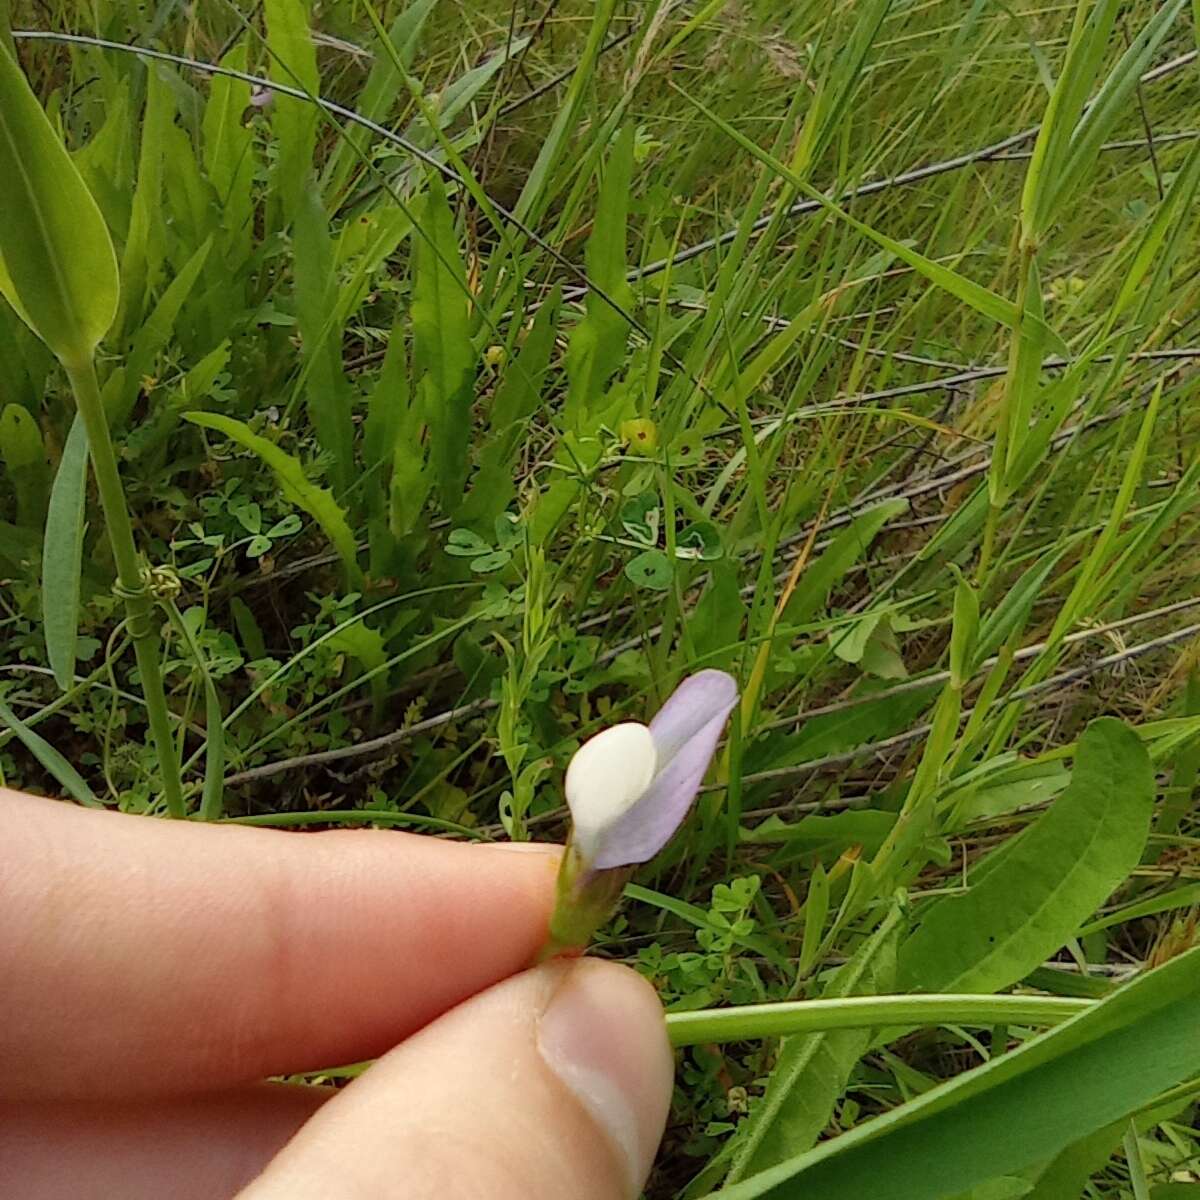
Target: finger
<point x="198" y="1148"/>
<point x="555" y="1083"/>
<point x="142" y="956"/>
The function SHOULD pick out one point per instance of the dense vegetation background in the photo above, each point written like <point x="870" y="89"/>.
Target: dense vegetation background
<point x="619" y="340"/>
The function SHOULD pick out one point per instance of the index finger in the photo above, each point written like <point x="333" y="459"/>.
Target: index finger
<point x="143" y="957"/>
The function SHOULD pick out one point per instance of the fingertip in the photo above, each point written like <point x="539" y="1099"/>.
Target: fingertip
<point x="603" y="1035"/>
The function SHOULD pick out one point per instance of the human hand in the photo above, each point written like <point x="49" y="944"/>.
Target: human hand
<point x="153" y="973"/>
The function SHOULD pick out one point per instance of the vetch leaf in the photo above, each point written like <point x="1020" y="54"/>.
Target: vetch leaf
<point x="57" y="265"/>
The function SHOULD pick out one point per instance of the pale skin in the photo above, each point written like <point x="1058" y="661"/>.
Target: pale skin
<point x="153" y="974"/>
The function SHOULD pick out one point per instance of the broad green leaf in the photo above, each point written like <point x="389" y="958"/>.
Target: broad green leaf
<point x="1021" y="1108"/>
<point x="57" y="265"/>
<point x="318" y="502"/>
<point x="24" y="456"/>
<point x="822" y="575"/>
<point x="1025" y="900"/>
<point x="812" y="1069"/>
<point x="821" y="837"/>
<point x="442" y="352"/>
<point x="72" y="782"/>
<point x="293" y="121"/>
<point x="365" y="643"/>
<point x="716" y="620"/>
<point x="597" y="346"/>
<point x="389" y="405"/>
<point x="62" y="555"/>
<point x="1177" y="803"/>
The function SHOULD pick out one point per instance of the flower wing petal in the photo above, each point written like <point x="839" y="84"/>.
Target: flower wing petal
<point x="690" y="707"/>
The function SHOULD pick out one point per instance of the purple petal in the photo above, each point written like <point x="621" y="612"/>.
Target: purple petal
<point x="694" y="717"/>
<point x="690" y="707"/>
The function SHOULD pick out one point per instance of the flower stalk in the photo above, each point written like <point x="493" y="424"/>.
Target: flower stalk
<point x="131" y="583"/>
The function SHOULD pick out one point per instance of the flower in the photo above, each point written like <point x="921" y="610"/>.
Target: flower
<point x="629" y="789"/>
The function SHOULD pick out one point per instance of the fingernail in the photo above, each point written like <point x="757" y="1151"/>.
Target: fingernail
<point x="604" y="1036"/>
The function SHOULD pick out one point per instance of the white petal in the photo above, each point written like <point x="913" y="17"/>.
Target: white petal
<point x="607" y="775"/>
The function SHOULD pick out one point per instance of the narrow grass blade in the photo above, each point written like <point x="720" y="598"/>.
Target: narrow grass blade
<point x="73" y="783"/>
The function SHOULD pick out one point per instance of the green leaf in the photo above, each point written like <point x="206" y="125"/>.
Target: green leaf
<point x="964" y="632"/>
<point x="142" y="258"/>
<point x="1025" y="900"/>
<point x="1019" y="1109"/>
<point x="294" y="121"/>
<point x="62" y="556"/>
<point x="324" y="381"/>
<point x="700" y="540"/>
<point x="650" y="569"/>
<point x="466" y="543"/>
<point x="229" y="158"/>
<point x="73" y="783"/>
<point x="1011" y="614"/>
<point x="540" y="184"/>
<point x="57" y="265"/>
<point x="158" y="327"/>
<point x="812" y="1069"/>
<point x="378" y="94"/>
<point x="24" y="456"/>
<point x="318" y="502"/>
<point x="442" y="350"/>
<point x="1111" y="103"/>
<point x="492" y="561"/>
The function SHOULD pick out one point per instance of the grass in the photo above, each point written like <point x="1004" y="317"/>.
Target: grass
<point x="560" y="351"/>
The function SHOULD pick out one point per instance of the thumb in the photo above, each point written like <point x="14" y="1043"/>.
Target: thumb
<point x="554" y="1083"/>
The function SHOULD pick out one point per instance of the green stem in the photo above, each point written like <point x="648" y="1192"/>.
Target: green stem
<point x="865" y="1012"/>
<point x="138" y="604"/>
